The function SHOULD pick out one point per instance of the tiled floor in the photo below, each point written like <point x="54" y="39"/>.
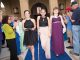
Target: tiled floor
<point x="5" y="53"/>
<point x="67" y="51"/>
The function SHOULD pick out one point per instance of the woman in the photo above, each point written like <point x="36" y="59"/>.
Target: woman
<point x="58" y="28"/>
<point x="29" y="27"/>
<point x="14" y="24"/>
<point x="68" y="22"/>
<point x="10" y="38"/>
<point x="1" y="35"/>
<point x="43" y="26"/>
<point x="20" y="31"/>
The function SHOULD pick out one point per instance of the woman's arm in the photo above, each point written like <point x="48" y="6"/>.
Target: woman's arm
<point x="8" y="29"/>
<point x="72" y="20"/>
<point x="34" y="24"/>
<point x="23" y="25"/>
<point x="15" y="24"/>
<point x="51" y="23"/>
<point x="64" y="27"/>
<point x="48" y="22"/>
<point x="38" y="18"/>
<point x="65" y="21"/>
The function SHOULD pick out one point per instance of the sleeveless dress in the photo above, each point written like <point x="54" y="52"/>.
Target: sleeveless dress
<point x="57" y="36"/>
<point x="44" y="36"/>
<point x="43" y="22"/>
<point x="29" y="37"/>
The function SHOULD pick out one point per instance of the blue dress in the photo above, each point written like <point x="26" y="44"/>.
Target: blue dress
<point x="17" y="39"/>
<point x="1" y="36"/>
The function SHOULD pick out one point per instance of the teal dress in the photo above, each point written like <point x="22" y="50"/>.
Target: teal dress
<point x="21" y="34"/>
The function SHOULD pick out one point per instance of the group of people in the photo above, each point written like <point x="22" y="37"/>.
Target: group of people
<point x="49" y="29"/>
<point x="73" y="28"/>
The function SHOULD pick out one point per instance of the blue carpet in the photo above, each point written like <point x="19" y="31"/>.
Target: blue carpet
<point x="29" y="56"/>
<point x="42" y="56"/>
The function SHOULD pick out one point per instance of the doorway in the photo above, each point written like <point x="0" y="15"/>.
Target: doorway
<point x="36" y="9"/>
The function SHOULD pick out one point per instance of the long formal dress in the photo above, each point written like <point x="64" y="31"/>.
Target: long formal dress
<point x="57" y="36"/>
<point x="17" y="36"/>
<point x="1" y="36"/>
<point x="44" y="36"/>
<point x="20" y="31"/>
<point x="29" y="37"/>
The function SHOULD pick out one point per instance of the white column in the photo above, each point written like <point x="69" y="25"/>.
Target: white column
<point x="52" y="4"/>
<point x="24" y="5"/>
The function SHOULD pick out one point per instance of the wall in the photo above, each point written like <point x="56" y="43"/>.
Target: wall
<point x="68" y="3"/>
<point x="32" y="2"/>
<point x="9" y="5"/>
<point x="79" y="2"/>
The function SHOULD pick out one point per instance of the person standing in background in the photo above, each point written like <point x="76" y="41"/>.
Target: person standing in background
<point x="1" y="35"/>
<point x="20" y="31"/>
<point x="14" y="24"/>
<point x="76" y="28"/>
<point x="12" y="18"/>
<point x="10" y="38"/>
<point x="68" y="22"/>
<point x="57" y="29"/>
<point x="43" y="26"/>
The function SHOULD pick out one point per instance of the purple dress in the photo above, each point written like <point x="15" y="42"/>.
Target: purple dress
<point x="57" y="36"/>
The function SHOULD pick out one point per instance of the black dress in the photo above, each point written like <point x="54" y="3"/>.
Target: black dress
<point x="29" y="37"/>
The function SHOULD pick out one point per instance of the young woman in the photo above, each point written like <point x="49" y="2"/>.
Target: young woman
<point x="1" y="35"/>
<point x="20" y="31"/>
<point x="15" y="26"/>
<point x="10" y="38"/>
<point x="43" y="26"/>
<point x="29" y="27"/>
<point x="68" y="22"/>
<point x="58" y="28"/>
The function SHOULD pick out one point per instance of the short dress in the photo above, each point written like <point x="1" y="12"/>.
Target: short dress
<point x="29" y="37"/>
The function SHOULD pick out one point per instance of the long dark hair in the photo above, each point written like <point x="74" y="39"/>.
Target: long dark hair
<point x="5" y="19"/>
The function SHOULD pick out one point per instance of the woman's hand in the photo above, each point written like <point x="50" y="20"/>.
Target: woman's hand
<point x="38" y="32"/>
<point x="33" y="29"/>
<point x="25" y="29"/>
<point x="64" y="30"/>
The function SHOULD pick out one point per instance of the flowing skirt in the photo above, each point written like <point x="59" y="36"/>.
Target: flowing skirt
<point x="45" y="40"/>
<point x="57" y="38"/>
